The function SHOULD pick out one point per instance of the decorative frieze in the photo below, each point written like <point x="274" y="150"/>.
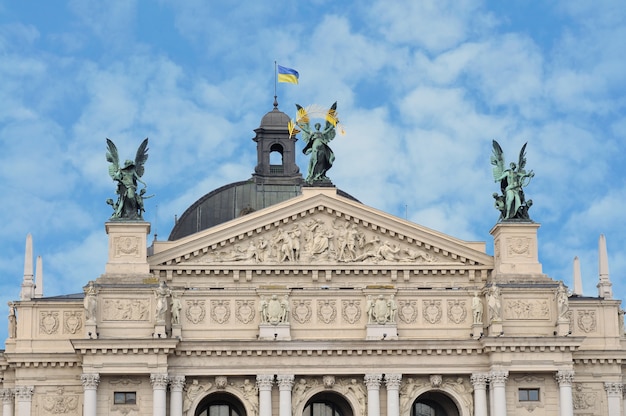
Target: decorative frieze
<point x="525" y="309"/>
<point x="58" y="402"/>
<point x="126" y="309"/>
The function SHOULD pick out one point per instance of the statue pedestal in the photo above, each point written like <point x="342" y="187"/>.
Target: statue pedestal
<point x="562" y="328"/>
<point x="159" y="330"/>
<point x="378" y="332"/>
<point x="91" y="330"/>
<point x="477" y="331"/>
<point x="177" y="331"/>
<point x="495" y="329"/>
<point x="515" y="251"/>
<point x="128" y="249"/>
<point x="279" y="332"/>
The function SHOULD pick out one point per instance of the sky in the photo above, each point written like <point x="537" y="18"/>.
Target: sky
<point x="423" y="87"/>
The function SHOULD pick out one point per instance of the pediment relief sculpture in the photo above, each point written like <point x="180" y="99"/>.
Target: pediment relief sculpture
<point x="319" y="239"/>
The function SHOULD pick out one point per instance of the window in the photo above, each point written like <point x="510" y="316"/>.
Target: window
<point x="528" y="395"/>
<point x="125" y="397"/>
<point x="321" y="409"/>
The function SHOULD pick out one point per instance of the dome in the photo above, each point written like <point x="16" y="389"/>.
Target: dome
<point x="274" y="120"/>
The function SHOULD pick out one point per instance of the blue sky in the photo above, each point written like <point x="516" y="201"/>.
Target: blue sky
<point x="423" y="87"/>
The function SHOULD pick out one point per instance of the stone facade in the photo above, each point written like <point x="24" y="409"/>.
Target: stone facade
<point x="317" y="299"/>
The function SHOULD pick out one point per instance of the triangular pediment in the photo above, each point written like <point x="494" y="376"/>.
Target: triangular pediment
<point x="320" y="228"/>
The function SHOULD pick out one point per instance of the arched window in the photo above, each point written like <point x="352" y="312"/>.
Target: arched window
<point x="220" y="404"/>
<point x="276" y="158"/>
<point x="434" y="403"/>
<point x="322" y="409"/>
<point x="327" y="404"/>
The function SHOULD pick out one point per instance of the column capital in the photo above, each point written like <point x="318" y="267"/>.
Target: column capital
<point x="392" y="381"/>
<point x="285" y="381"/>
<point x="177" y="383"/>
<point x="265" y="381"/>
<point x="7" y="395"/>
<point x="372" y="381"/>
<point x="614" y="389"/>
<point x="90" y="380"/>
<point x="565" y="377"/>
<point x="479" y="380"/>
<point x="159" y="380"/>
<point x="24" y="392"/>
<point x="498" y="377"/>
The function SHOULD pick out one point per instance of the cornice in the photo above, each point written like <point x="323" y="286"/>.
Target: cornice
<point x="125" y="346"/>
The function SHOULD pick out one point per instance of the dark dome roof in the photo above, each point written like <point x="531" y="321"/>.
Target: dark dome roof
<point x="275" y="120"/>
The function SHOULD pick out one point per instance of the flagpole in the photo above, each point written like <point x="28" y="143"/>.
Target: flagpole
<point x="275" y="78"/>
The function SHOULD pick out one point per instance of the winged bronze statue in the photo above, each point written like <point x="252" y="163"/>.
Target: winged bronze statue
<point x="511" y="202"/>
<point x="129" y="204"/>
<point x="316" y="144"/>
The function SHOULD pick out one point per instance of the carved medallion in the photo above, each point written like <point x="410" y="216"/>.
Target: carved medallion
<point x="326" y="311"/>
<point x="587" y="321"/>
<point x="220" y="311"/>
<point x="59" y="403"/>
<point x="127" y="246"/>
<point x="72" y="322"/>
<point x="245" y="311"/>
<point x="432" y="311"/>
<point x="302" y="311"/>
<point x="195" y="311"/>
<point x="49" y="322"/>
<point x="456" y="311"/>
<point x="351" y="311"/>
<point x="408" y="311"/>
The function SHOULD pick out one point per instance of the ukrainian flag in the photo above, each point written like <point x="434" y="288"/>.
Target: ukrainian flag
<point x="287" y="75"/>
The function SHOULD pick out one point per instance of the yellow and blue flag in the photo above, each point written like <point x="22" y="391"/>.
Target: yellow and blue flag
<point x="287" y="75"/>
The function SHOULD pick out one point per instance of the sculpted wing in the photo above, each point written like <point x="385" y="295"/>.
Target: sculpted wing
<point x="302" y="120"/>
<point x="497" y="160"/>
<point x="141" y="157"/>
<point x="331" y="121"/>
<point x="113" y="158"/>
<point x="522" y="158"/>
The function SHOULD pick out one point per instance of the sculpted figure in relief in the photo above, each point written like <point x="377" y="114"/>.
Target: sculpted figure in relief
<point x="90" y="302"/>
<point x="161" y="294"/>
<point x="381" y="311"/>
<point x="495" y="304"/>
<point x="274" y="311"/>
<point x="12" y="321"/>
<point x="562" y="302"/>
<point x="477" y="309"/>
<point x="176" y="306"/>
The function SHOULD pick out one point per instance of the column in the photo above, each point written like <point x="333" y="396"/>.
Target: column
<point x="372" y="381"/>
<point x="264" y="383"/>
<point x="159" y="384"/>
<point x="566" y="400"/>
<point x="614" y="397"/>
<point x="23" y="400"/>
<point x="90" y="396"/>
<point x="7" y="402"/>
<point x="479" y="381"/>
<point x="177" y="384"/>
<point x="285" y="384"/>
<point x="498" y="381"/>
<point x="392" y="381"/>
